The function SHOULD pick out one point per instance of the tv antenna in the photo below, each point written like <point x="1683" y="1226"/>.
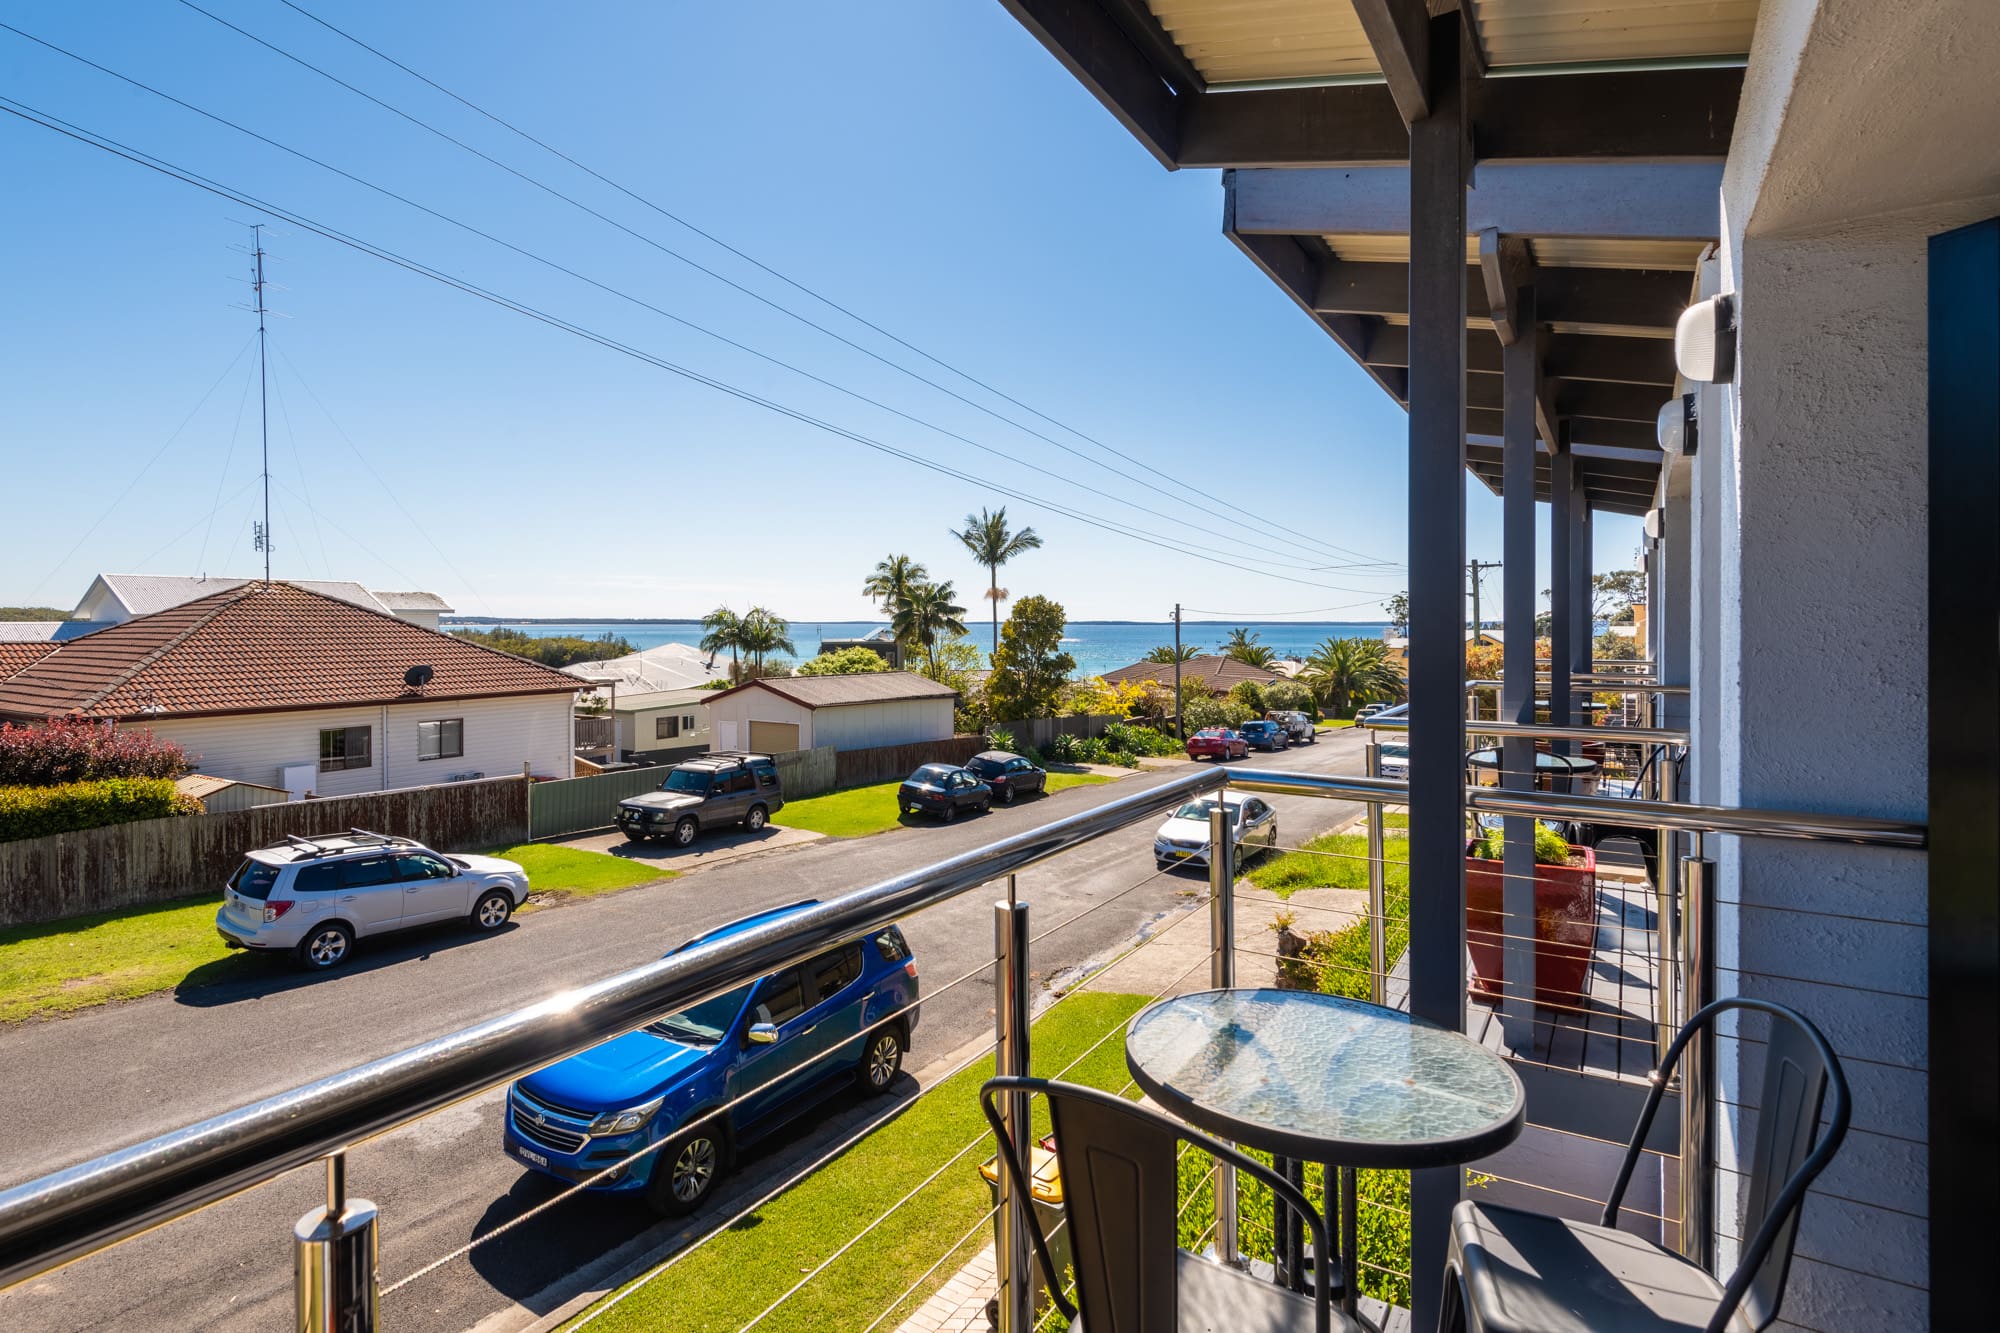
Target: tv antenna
<point x="263" y="530"/>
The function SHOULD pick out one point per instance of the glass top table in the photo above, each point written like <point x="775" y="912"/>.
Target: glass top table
<point x="1325" y="1079"/>
<point x="1544" y="762"/>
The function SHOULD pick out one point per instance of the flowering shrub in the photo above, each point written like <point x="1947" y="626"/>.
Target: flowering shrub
<point x="36" y="812"/>
<point x="77" y="749"/>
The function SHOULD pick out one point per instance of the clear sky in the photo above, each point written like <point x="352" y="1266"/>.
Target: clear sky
<point x="921" y="162"/>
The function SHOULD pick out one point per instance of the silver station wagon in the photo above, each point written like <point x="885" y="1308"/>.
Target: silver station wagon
<point x="317" y="896"/>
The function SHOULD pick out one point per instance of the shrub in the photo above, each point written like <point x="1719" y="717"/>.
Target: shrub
<point x="1202" y="711"/>
<point x="1062" y="748"/>
<point x="1288" y="696"/>
<point x="1550" y="849"/>
<point x="76" y="749"/>
<point x="1001" y="739"/>
<point x="846" y="662"/>
<point x="1251" y="695"/>
<point x="37" y="812"/>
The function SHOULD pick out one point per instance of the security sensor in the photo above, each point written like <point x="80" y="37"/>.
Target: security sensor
<point x="1705" y="340"/>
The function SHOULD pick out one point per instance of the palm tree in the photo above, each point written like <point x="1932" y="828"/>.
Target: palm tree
<point x="892" y="580"/>
<point x="725" y="630"/>
<point x="927" y="613"/>
<point x="764" y="632"/>
<point x="1344" y="671"/>
<point x="1243" y="646"/>
<point x="986" y="536"/>
<point x="1166" y="652"/>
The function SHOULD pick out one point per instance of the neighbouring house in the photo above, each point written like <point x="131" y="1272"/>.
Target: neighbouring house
<point x="1399" y="646"/>
<point x="28" y="631"/>
<point x="1220" y="674"/>
<point x="858" y="712"/>
<point x="279" y="685"/>
<point x="218" y="795"/>
<point x="881" y="642"/>
<point x="113" y="599"/>
<point x="662" y="725"/>
<point x="667" y="666"/>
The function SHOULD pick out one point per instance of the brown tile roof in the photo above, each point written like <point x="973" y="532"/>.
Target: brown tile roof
<point x="1220" y="672"/>
<point x="16" y="655"/>
<point x="866" y="687"/>
<point x="258" y="648"/>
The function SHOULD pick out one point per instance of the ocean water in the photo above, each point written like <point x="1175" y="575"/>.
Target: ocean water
<point x="1097" y="646"/>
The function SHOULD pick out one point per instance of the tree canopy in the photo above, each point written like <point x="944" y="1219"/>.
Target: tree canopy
<point x="555" y="652"/>
<point x="1348" y="672"/>
<point x="844" y="662"/>
<point x="1030" y="667"/>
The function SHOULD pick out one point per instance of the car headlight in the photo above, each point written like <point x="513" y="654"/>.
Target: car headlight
<point x="624" y="1122"/>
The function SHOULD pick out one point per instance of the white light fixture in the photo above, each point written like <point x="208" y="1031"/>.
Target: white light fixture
<point x="1705" y="340"/>
<point x="1677" y="434"/>
<point x="1653" y="524"/>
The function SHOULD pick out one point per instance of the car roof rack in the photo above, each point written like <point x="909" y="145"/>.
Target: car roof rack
<point x="352" y="840"/>
<point x="734" y="754"/>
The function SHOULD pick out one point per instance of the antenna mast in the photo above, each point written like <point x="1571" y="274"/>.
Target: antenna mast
<point x="263" y="537"/>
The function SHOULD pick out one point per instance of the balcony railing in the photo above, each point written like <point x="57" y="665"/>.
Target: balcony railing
<point x="73" y="1213"/>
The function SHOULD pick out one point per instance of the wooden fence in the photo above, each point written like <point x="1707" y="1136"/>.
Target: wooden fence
<point x="574" y="805"/>
<point x="1039" y="731"/>
<point x="888" y="762"/>
<point x="154" y="860"/>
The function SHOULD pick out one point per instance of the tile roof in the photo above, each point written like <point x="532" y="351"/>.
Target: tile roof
<point x="18" y="653"/>
<point x="261" y="647"/>
<point x="1220" y="672"/>
<point x="868" y="687"/>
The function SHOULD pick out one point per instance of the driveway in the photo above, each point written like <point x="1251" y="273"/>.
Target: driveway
<point x="109" y="1077"/>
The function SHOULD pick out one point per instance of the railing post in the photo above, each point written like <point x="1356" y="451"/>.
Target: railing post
<point x="1666" y="1021"/>
<point x="334" y="1256"/>
<point x="1697" y="1068"/>
<point x="1378" y="943"/>
<point x="1221" y="973"/>
<point x="1013" y="1256"/>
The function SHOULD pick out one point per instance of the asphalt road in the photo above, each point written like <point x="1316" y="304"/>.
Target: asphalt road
<point x="81" y="1086"/>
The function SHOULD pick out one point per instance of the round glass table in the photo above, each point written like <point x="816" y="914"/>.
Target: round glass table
<point x="1321" y="1078"/>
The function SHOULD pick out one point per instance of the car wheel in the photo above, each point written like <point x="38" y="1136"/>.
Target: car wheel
<point x="327" y="946"/>
<point x="757" y="818"/>
<point x="949" y="813"/>
<point x="636" y="835"/>
<point x="884" y="1059"/>
<point x="686" y="1172"/>
<point x="684" y="831"/>
<point x="1006" y="796"/>
<point x="492" y="910"/>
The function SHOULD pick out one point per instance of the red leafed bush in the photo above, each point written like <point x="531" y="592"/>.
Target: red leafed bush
<point x="77" y="749"/>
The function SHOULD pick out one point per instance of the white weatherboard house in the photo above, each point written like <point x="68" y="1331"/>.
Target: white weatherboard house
<point x="277" y="685"/>
<point x="663" y="724"/>
<point x="113" y="599"/>
<point x="859" y="712"/>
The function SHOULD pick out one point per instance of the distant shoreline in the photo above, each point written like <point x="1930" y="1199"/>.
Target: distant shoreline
<point x="800" y="620"/>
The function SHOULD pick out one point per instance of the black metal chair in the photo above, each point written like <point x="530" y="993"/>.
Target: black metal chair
<point x="1511" y="1271"/>
<point x="1119" y="1171"/>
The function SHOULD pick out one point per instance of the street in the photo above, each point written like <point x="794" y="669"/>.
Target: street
<point x="116" y="1075"/>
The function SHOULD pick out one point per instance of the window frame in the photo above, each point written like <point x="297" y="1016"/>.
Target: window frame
<point x="345" y="762"/>
<point x="667" y="727"/>
<point x="442" y="724"/>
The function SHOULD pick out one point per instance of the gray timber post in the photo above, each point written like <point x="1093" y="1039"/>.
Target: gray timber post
<point x="1013" y="1255"/>
<point x="1520" y="364"/>
<point x="1222" y="974"/>
<point x="1440" y="159"/>
<point x="1583" y="622"/>
<point x="1562" y="533"/>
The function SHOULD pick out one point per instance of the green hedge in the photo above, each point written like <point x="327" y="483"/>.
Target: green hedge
<point x="36" y="812"/>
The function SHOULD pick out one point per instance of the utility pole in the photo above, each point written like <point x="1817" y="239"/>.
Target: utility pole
<point x="263" y="540"/>
<point x="1477" y="568"/>
<point x="1180" y="727"/>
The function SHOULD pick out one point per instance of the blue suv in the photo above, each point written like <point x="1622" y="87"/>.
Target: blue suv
<point x="780" y="1045"/>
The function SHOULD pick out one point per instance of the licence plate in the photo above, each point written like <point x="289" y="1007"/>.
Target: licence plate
<point x="534" y="1157"/>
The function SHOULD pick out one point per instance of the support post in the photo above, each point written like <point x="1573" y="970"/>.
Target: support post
<point x="1697" y="1071"/>
<point x="1520" y="365"/>
<point x="1440" y="161"/>
<point x="1562" y="532"/>
<point x="1378" y="939"/>
<point x="1013" y="1254"/>
<point x="1222" y="973"/>
<point x="1667" y="914"/>
<point x="334" y="1258"/>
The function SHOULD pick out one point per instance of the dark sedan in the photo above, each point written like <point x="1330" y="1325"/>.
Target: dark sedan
<point x="1008" y="775"/>
<point x="1265" y="735"/>
<point x="943" y="790"/>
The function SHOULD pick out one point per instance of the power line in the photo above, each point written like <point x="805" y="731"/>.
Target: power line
<point x="1275" y="615"/>
<point x="22" y="111"/>
<point x="636" y="300"/>
<point x="1198" y="500"/>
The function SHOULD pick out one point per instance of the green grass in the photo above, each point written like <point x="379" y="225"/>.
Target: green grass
<point x="730" y="1279"/>
<point x="59" y="967"/>
<point x="1330" y="861"/>
<point x="857" y="812"/>
<point x="1333" y="723"/>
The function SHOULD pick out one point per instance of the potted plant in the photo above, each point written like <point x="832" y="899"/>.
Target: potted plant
<point x="1565" y="916"/>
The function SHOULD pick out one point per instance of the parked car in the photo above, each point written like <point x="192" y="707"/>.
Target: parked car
<point x="1395" y="759"/>
<point x="1265" y="736"/>
<point x="1009" y="775"/>
<point x="943" y="790"/>
<point x="768" y="1051"/>
<point x="726" y="787"/>
<point x="317" y="896"/>
<point x="1366" y="711"/>
<point x="1183" y="839"/>
<point x="1298" y="726"/>
<point x="1217" y="743"/>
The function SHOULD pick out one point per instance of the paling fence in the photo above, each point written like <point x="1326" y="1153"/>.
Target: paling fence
<point x="1059" y="994"/>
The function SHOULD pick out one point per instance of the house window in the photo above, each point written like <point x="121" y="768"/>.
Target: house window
<point x="444" y="739"/>
<point x="343" y="747"/>
<point x="666" y="728"/>
<point x="687" y="722"/>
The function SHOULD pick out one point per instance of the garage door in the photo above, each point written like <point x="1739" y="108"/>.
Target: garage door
<point x="774" y="737"/>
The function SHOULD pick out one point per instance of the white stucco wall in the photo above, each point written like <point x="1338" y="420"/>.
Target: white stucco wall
<point x="500" y="735"/>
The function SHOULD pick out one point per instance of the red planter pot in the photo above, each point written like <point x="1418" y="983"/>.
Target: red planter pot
<point x="1565" y="927"/>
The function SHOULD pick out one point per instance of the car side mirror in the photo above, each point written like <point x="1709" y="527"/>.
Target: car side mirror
<point x="762" y="1034"/>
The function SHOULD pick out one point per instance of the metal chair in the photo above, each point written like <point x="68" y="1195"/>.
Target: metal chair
<point x="1119" y="1165"/>
<point x="1512" y="1270"/>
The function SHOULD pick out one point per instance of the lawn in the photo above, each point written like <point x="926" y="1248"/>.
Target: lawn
<point x="58" y="967"/>
<point x="1333" y="723"/>
<point x="727" y="1281"/>
<point x="859" y="811"/>
<point x="1330" y="861"/>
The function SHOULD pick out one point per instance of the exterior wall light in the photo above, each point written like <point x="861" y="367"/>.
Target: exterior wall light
<point x="1677" y="427"/>
<point x="1705" y="340"/>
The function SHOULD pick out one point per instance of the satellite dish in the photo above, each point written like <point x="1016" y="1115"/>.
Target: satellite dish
<point x="417" y="677"/>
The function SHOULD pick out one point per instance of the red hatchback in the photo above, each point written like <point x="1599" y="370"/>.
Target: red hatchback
<point x="1217" y="743"/>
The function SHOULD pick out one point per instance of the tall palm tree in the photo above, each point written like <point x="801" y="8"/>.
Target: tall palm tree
<point x="1345" y="671"/>
<point x="892" y="580"/>
<point x="724" y="630"/>
<point x="764" y="632"/>
<point x="1167" y="653"/>
<point x="1244" y="646"/>
<point x="986" y="536"/>
<point x="927" y="613"/>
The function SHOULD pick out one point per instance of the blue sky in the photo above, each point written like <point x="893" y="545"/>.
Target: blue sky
<point x="924" y="163"/>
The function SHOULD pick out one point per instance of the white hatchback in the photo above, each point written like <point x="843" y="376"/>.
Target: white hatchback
<point x="1184" y="837"/>
<point x="318" y="896"/>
